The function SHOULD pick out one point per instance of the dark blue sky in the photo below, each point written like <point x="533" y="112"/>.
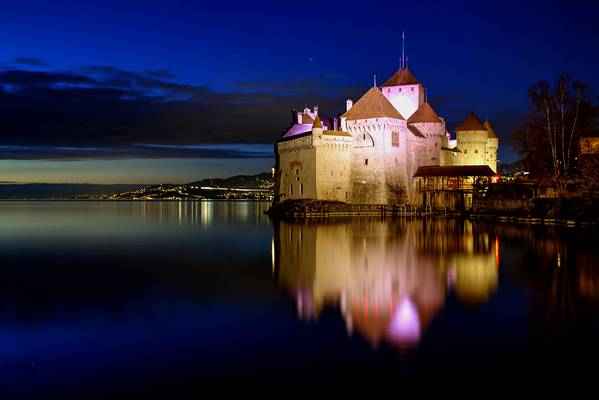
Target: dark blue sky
<point x="126" y="91"/>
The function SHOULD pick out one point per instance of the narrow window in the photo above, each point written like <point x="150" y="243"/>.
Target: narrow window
<point x="366" y="162"/>
<point x="301" y="188"/>
<point x="364" y="136"/>
<point x="290" y="189"/>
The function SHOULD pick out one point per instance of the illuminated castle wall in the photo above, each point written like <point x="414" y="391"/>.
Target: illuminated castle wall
<point x="370" y="153"/>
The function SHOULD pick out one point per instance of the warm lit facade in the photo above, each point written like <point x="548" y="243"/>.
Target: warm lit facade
<point x="369" y="154"/>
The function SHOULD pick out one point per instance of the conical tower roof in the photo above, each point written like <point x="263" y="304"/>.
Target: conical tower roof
<point x="471" y="123"/>
<point x="403" y="76"/>
<point x="490" y="131"/>
<point x="306" y="119"/>
<point x="372" y="105"/>
<point x="425" y="113"/>
<point x="317" y="123"/>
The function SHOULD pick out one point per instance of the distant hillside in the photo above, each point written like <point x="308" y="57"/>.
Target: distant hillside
<point x="238" y="181"/>
<point x="42" y="191"/>
<point x="256" y="187"/>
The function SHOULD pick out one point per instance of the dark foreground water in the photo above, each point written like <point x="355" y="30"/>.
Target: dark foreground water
<point x="162" y="298"/>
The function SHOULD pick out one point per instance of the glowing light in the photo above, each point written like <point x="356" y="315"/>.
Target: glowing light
<point x="405" y="325"/>
<point x="272" y="254"/>
<point x="497" y="252"/>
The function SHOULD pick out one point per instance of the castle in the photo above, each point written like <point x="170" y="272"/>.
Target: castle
<point x="372" y="152"/>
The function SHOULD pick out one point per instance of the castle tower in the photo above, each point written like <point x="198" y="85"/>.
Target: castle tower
<point x="404" y="91"/>
<point x="472" y="140"/>
<point x="379" y="157"/>
<point x="428" y="124"/>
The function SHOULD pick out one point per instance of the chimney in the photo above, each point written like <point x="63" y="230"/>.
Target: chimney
<point x="348" y="104"/>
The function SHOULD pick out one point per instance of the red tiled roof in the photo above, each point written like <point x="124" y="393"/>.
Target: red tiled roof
<point x="306" y="119"/>
<point x="401" y="77"/>
<point x="317" y="123"/>
<point x="425" y="113"/>
<point x="372" y="105"/>
<point x="471" y="123"/>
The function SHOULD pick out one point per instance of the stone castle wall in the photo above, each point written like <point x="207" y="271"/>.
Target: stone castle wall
<point x="333" y="155"/>
<point x="297" y="159"/>
<point x="378" y="162"/>
<point x="472" y="145"/>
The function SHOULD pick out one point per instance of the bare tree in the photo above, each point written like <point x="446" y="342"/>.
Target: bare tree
<point x="559" y="116"/>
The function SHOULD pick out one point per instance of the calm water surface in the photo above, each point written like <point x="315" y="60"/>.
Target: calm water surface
<point x="104" y="298"/>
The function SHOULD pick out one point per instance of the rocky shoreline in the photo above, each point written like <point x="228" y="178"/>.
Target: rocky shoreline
<point x="547" y="214"/>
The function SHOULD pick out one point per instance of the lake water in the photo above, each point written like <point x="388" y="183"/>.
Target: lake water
<point x="163" y="297"/>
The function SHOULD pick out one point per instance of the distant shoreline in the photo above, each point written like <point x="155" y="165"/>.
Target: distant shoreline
<point x="136" y="200"/>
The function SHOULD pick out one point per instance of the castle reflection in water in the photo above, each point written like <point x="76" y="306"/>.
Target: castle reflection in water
<point x="389" y="278"/>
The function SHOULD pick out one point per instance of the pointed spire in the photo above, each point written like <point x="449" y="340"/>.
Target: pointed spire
<point x="317" y="124"/>
<point x="374" y="80"/>
<point x="403" y="45"/>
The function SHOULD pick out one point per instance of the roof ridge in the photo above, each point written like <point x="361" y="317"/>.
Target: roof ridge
<point x="402" y="76"/>
<point x="471" y="123"/>
<point x="424" y="113"/>
<point x="373" y="104"/>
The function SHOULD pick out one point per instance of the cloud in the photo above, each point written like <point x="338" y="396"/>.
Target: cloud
<point x="161" y="74"/>
<point x="31" y="61"/>
<point x="133" y="151"/>
<point x="99" y="111"/>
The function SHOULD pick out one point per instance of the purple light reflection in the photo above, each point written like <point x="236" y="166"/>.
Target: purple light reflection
<point x="405" y="324"/>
